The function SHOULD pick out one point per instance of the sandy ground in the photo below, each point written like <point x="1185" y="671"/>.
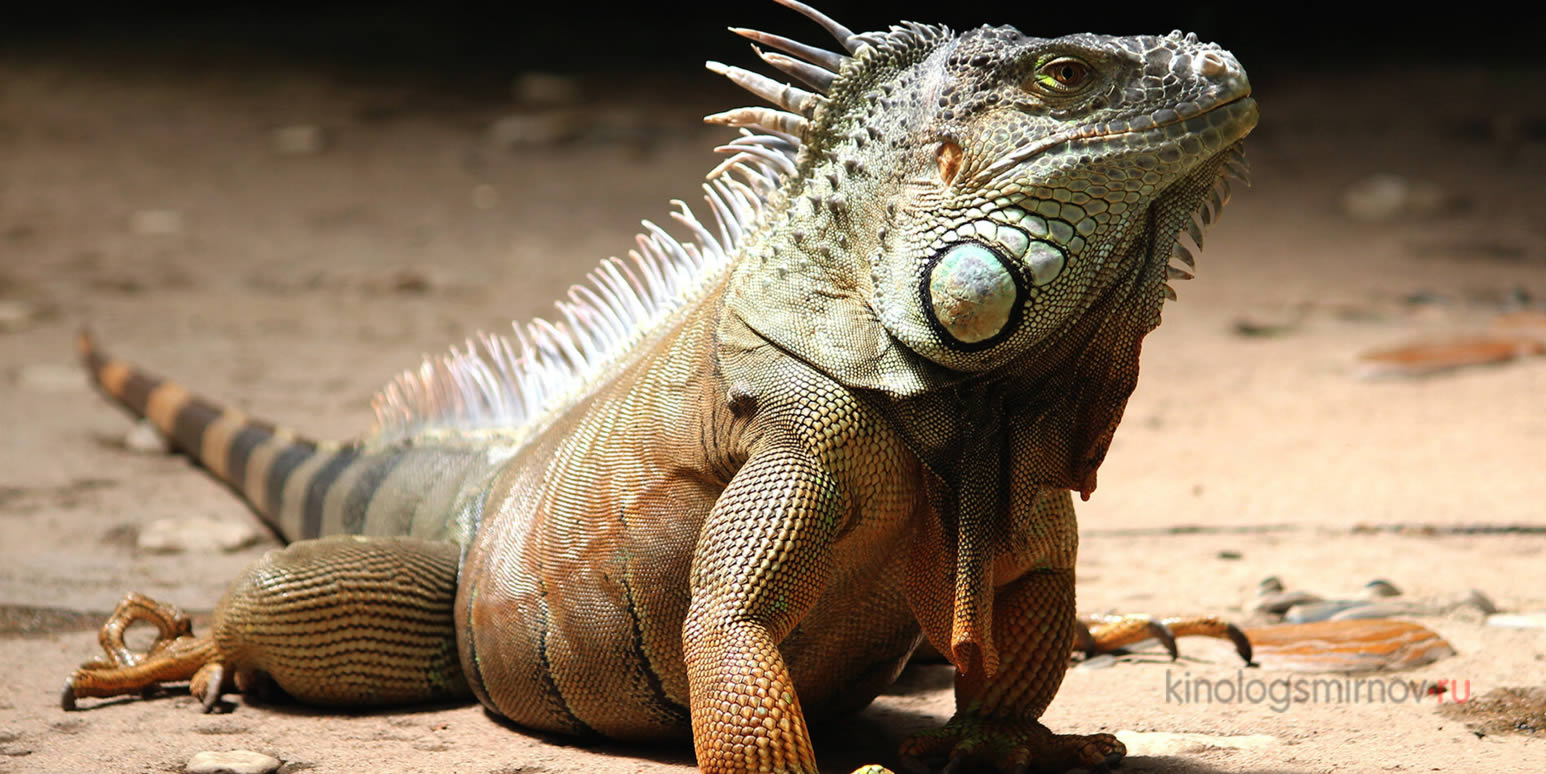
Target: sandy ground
<point x="149" y="202"/>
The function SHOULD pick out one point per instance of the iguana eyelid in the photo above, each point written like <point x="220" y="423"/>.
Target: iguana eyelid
<point x="1061" y="76"/>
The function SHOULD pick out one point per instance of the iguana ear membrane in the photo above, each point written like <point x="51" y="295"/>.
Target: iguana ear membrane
<point x="971" y="295"/>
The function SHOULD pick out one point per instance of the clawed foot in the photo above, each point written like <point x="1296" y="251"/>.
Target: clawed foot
<point x="971" y="743"/>
<point x="175" y="656"/>
<point x="1095" y="635"/>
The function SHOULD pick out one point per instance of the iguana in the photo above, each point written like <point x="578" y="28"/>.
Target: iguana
<point x="745" y="475"/>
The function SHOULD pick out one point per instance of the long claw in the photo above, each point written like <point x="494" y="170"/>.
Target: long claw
<point x="1159" y="631"/>
<point x="1106" y="634"/>
<point x="1242" y="643"/>
<point x="206" y="684"/>
<point x="175" y="655"/>
<point x="1084" y="641"/>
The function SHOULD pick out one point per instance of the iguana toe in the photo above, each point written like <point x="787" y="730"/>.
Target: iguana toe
<point x="1112" y="633"/>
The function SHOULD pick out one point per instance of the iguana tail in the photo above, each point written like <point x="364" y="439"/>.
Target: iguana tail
<point x="299" y="487"/>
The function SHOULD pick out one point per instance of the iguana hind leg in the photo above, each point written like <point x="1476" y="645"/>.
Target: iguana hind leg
<point x="1099" y="634"/>
<point x="344" y="620"/>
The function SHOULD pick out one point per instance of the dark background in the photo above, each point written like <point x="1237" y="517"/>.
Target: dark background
<point x="576" y="37"/>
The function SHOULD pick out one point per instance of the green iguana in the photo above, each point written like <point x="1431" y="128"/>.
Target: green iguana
<point x="747" y="474"/>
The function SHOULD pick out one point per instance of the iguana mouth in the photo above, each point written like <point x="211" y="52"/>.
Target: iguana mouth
<point x="1185" y="113"/>
<point x="1237" y="114"/>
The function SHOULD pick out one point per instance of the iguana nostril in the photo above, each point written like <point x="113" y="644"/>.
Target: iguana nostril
<point x="1211" y="65"/>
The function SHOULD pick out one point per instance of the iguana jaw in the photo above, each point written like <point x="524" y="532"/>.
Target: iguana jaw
<point x="1232" y="119"/>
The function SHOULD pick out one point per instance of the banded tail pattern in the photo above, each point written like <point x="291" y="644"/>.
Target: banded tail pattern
<point x="283" y="476"/>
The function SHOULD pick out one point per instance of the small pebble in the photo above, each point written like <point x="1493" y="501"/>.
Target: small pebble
<point x="10" y="750"/>
<point x="1306" y="612"/>
<point x="1471" y="600"/>
<point x="408" y="281"/>
<point x="1518" y="620"/>
<point x="51" y="377"/>
<point x="1278" y="602"/>
<point x="156" y="222"/>
<point x="1385" y="197"/>
<point x="298" y="140"/>
<point x="1364" y="610"/>
<point x="528" y="129"/>
<point x="196" y="535"/>
<point x="146" y="439"/>
<point x="231" y="762"/>
<point x="18" y="315"/>
<point x="484" y="197"/>
<point x="545" y="89"/>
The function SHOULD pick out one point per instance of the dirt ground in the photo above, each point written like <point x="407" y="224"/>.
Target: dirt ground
<point x="157" y="205"/>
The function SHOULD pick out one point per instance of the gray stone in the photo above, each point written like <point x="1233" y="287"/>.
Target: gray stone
<point x="298" y="140"/>
<point x="144" y="438"/>
<point x="18" y="315"/>
<point x="231" y="762"/>
<point x="51" y="377"/>
<point x="199" y="535"/>
<point x="545" y="89"/>
<point x="529" y="129"/>
<point x="156" y="222"/>
<point x="1278" y="602"/>
<point x="1518" y="620"/>
<point x="1385" y="197"/>
<point x="1320" y="611"/>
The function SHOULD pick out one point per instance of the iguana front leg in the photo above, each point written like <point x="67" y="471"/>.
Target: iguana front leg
<point x="763" y="559"/>
<point x="995" y="723"/>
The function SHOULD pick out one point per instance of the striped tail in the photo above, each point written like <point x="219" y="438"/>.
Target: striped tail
<point x="284" y="477"/>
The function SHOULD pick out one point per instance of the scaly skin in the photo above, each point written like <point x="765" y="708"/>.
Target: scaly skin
<point x="860" y="429"/>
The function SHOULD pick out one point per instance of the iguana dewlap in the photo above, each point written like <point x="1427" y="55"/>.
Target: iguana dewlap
<point x="746" y="474"/>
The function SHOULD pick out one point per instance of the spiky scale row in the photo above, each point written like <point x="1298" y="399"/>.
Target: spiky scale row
<point x="494" y="383"/>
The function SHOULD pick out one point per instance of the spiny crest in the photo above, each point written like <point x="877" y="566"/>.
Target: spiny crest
<point x="1235" y="166"/>
<point x="815" y="67"/>
<point x="499" y="383"/>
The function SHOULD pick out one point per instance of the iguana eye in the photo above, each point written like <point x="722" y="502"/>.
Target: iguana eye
<point x="1063" y="75"/>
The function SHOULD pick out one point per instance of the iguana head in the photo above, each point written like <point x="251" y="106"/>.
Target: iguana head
<point x="970" y="195"/>
<point x="985" y="211"/>
<point x="1034" y="175"/>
